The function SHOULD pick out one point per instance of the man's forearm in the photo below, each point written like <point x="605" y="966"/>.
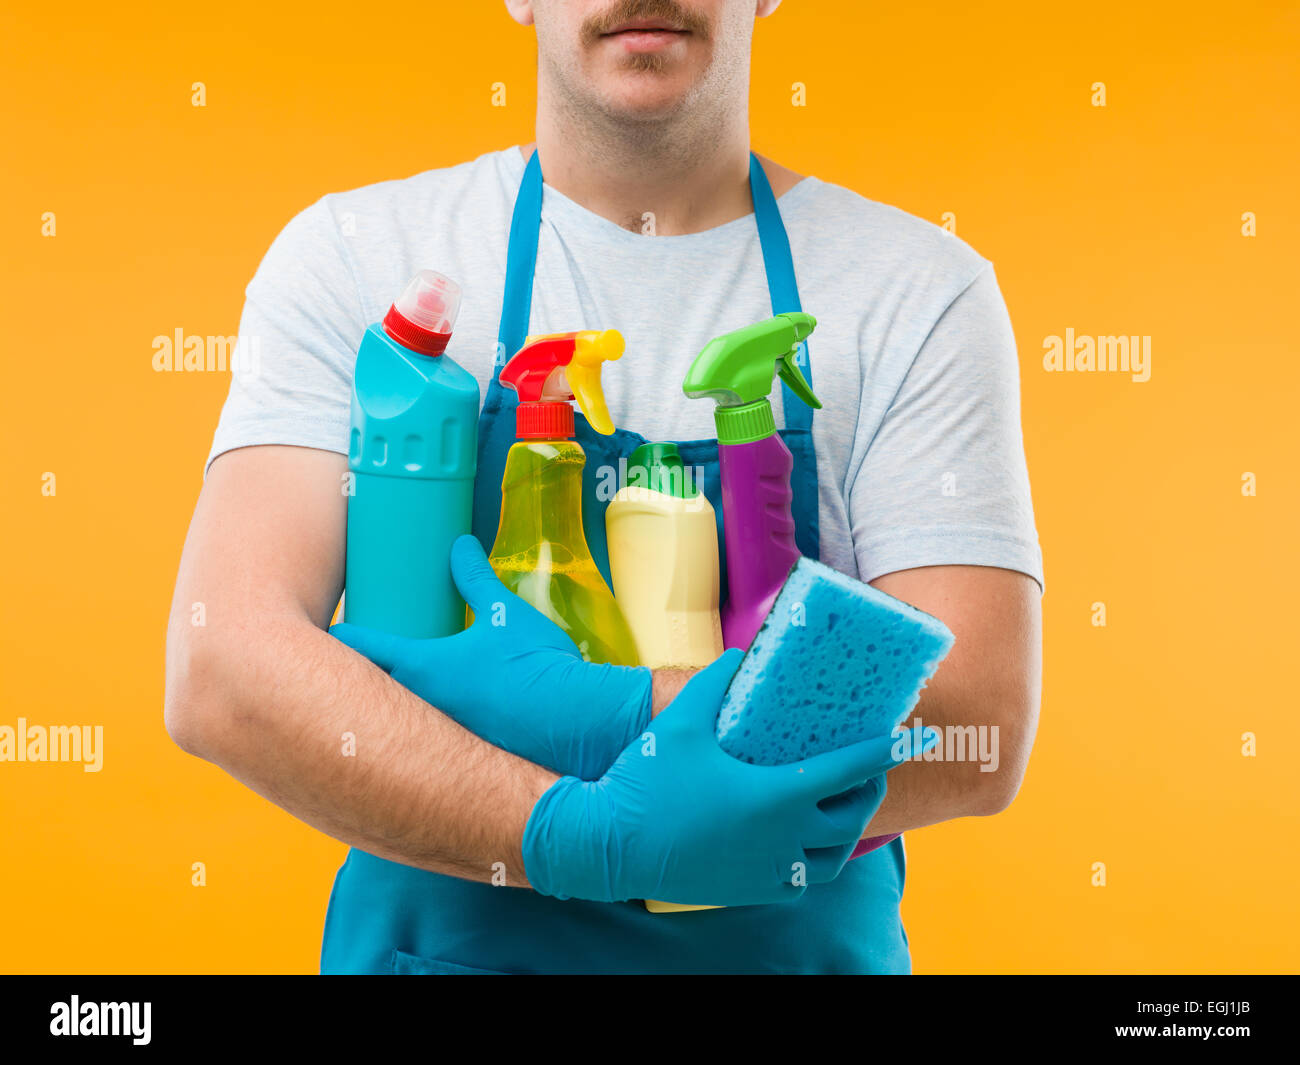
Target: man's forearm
<point x="324" y="734"/>
<point x="666" y="683"/>
<point x="918" y="793"/>
<point x="983" y="700"/>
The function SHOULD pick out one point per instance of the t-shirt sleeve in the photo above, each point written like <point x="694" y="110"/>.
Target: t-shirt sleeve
<point x="944" y="481"/>
<point x="299" y="332"/>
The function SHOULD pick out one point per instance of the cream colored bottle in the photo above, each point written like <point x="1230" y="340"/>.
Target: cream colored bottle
<point x="663" y="560"/>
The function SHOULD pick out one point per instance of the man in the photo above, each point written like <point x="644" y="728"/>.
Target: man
<point x="647" y="224"/>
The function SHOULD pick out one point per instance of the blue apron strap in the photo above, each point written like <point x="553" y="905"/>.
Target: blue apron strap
<point x="784" y="291"/>
<point x="781" y="284"/>
<point x="521" y="263"/>
<point x="496" y="422"/>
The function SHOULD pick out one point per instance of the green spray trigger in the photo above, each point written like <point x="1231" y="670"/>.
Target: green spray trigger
<point x="739" y="367"/>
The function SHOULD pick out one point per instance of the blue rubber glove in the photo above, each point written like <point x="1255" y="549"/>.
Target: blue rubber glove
<point x="678" y="819"/>
<point x="515" y="678"/>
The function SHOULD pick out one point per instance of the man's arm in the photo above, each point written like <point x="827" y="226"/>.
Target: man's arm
<point x="942" y="518"/>
<point x="260" y="689"/>
<point x="990" y="680"/>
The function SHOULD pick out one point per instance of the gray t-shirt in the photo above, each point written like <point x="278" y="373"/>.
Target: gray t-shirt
<point x="919" y="451"/>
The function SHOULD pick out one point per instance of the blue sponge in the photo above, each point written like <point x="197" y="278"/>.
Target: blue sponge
<point x="835" y="662"/>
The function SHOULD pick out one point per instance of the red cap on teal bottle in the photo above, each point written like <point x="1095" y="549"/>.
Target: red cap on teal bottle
<point x="421" y="317"/>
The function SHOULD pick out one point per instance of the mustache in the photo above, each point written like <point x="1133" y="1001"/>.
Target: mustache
<point x="623" y="11"/>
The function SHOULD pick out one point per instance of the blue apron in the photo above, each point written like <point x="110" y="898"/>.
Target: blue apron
<point x="390" y="918"/>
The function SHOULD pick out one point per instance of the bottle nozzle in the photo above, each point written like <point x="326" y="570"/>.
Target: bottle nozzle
<point x="591" y="351"/>
<point x="738" y="367"/>
<point x="421" y="318"/>
<point x="556" y="367"/>
<point x="736" y="370"/>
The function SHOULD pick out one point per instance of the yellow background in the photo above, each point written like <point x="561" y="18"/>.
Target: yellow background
<point x="1124" y="219"/>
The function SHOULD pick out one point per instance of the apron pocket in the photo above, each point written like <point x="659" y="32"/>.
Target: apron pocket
<point x="411" y="965"/>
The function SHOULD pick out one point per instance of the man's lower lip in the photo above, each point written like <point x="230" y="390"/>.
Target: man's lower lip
<point x="646" y="40"/>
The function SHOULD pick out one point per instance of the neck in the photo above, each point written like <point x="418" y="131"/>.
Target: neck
<point x="669" y="177"/>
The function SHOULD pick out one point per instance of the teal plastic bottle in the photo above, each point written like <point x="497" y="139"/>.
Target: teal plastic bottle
<point x="412" y="454"/>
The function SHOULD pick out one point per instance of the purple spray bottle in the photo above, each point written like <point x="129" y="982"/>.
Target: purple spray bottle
<point x="737" y="370"/>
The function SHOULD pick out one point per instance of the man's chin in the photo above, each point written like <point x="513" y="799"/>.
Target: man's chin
<point x="644" y="96"/>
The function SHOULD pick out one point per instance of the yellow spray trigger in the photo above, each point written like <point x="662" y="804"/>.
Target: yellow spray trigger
<point x="592" y="348"/>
